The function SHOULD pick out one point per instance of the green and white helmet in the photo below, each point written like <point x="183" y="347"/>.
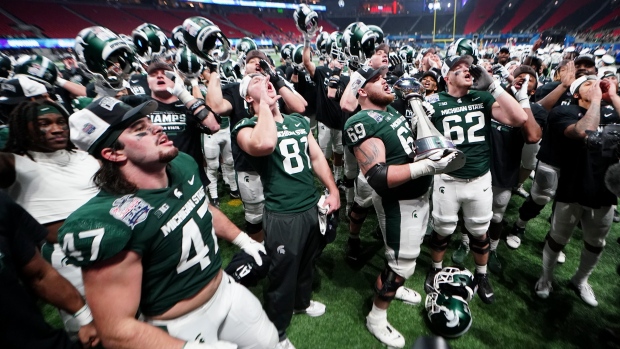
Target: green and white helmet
<point x="407" y="53"/>
<point x="462" y="47"/>
<point x="151" y="42"/>
<point x="334" y="46"/>
<point x="298" y="56"/>
<point x="287" y="51"/>
<point x="176" y="36"/>
<point x="98" y="49"/>
<point x="360" y="41"/>
<point x="244" y="46"/>
<point x="321" y="42"/>
<point x="378" y="31"/>
<point x="205" y="39"/>
<point x="449" y="316"/>
<point x="38" y="68"/>
<point x="188" y="63"/>
<point x="227" y="72"/>
<point x="456" y="282"/>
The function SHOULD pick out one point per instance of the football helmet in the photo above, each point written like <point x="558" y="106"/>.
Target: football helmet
<point x="407" y="53"/>
<point x="454" y="281"/>
<point x="306" y="19"/>
<point x="104" y="55"/>
<point x="298" y="56"/>
<point x="463" y="47"/>
<point x="321" y="42"/>
<point x="6" y="66"/>
<point x="188" y="63"/>
<point x="377" y="30"/>
<point x="38" y="68"/>
<point x="227" y="72"/>
<point x="244" y="46"/>
<point x="449" y="316"/>
<point x="205" y="39"/>
<point x="334" y="47"/>
<point x="150" y="41"/>
<point x="287" y="51"/>
<point x="176" y="36"/>
<point x="360" y="41"/>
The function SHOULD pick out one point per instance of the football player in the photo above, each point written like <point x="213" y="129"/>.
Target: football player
<point x="147" y="242"/>
<point x="284" y="153"/>
<point x="464" y="117"/>
<point x="581" y="193"/>
<point x="226" y="100"/>
<point x="382" y="142"/>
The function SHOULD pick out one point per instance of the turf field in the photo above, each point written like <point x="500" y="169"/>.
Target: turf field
<point x="518" y="319"/>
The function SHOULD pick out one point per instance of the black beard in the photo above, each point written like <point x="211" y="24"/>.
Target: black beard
<point x="380" y="99"/>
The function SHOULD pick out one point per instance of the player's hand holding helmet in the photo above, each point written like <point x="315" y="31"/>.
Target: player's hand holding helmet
<point x="307" y="22"/>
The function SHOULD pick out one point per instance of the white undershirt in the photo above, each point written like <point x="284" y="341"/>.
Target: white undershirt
<point x="55" y="184"/>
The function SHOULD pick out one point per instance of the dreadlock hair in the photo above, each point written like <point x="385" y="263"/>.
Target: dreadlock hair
<point x="109" y="177"/>
<point x="20" y="139"/>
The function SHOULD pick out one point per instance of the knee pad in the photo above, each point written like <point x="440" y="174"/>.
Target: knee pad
<point x="390" y="283"/>
<point x="544" y="186"/>
<point x="554" y="245"/>
<point x="253" y="228"/>
<point x="438" y="244"/>
<point x="480" y="246"/>
<point x="213" y="164"/>
<point x="253" y="212"/>
<point x="445" y="225"/>
<point x="477" y="227"/>
<point x="593" y="249"/>
<point x="360" y="211"/>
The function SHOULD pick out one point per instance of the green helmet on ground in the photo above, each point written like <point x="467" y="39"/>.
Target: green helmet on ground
<point x="449" y="316"/>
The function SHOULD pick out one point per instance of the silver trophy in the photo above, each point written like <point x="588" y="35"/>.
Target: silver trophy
<point x="429" y="139"/>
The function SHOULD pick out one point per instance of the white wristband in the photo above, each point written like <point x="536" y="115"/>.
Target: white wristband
<point x="185" y="97"/>
<point x="525" y="104"/>
<point x="60" y="82"/>
<point x="496" y="89"/>
<point x="83" y="316"/>
<point x="193" y="82"/>
<point x="421" y="168"/>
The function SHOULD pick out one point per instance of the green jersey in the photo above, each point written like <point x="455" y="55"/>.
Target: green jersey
<point x="171" y="228"/>
<point x="395" y="133"/>
<point x="467" y="121"/>
<point x="286" y="173"/>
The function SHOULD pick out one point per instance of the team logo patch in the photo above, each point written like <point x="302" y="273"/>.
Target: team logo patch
<point x="89" y="128"/>
<point x="130" y="210"/>
<point x="108" y="103"/>
<point x="376" y="116"/>
<point x="432" y="98"/>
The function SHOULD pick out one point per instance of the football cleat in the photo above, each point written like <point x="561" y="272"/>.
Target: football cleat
<point x="513" y="240"/>
<point x="543" y="288"/>
<point x="234" y="194"/>
<point x="585" y="292"/>
<point x="483" y="288"/>
<point x="315" y="309"/>
<point x="215" y="202"/>
<point x="408" y="296"/>
<point x="353" y="249"/>
<point x="521" y="192"/>
<point x="385" y="333"/>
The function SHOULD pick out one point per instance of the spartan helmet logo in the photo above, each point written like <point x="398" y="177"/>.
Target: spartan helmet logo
<point x="442" y="189"/>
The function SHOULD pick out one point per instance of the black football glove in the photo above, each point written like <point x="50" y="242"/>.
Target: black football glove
<point x="276" y="80"/>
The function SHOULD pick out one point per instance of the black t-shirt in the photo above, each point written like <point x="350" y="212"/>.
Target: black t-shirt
<point x="182" y="130"/>
<point x="230" y="92"/>
<point x="328" y="111"/>
<point x="138" y="85"/>
<point x="582" y="169"/>
<point x="306" y="87"/>
<point x="545" y="89"/>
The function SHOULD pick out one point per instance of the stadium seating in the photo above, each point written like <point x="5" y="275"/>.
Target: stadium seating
<point x="161" y="18"/>
<point x="117" y="20"/>
<point x="483" y="11"/>
<point x="252" y="23"/>
<point x="5" y="27"/>
<point x="522" y="14"/>
<point x="54" y="20"/>
<point x="564" y="10"/>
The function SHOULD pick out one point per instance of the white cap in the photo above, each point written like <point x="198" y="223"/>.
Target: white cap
<point x="574" y="87"/>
